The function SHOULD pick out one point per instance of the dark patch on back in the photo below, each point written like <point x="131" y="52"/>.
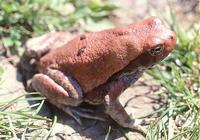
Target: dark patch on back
<point x="81" y="50"/>
<point x="82" y="37"/>
<point x="121" y="33"/>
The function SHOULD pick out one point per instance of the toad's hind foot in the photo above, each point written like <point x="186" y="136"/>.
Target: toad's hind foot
<point x="77" y="113"/>
<point x="69" y="111"/>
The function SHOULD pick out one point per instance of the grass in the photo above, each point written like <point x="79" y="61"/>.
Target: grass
<point x="179" y="73"/>
<point x="18" y="123"/>
<point x="1" y="74"/>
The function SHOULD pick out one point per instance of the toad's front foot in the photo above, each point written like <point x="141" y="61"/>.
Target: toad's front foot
<point x="117" y="112"/>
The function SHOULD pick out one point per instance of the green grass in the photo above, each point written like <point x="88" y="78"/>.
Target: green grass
<point x="1" y="73"/>
<point x="18" y="123"/>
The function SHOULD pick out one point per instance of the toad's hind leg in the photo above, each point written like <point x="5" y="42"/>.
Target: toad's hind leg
<point x="58" y="91"/>
<point x="62" y="91"/>
<point x="57" y="86"/>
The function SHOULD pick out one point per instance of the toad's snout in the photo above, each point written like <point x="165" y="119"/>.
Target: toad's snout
<point x="170" y="42"/>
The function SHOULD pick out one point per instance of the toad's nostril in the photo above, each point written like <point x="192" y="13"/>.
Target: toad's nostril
<point x="172" y="37"/>
<point x="171" y="41"/>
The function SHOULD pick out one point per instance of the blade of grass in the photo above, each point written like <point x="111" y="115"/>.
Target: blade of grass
<point x="108" y="133"/>
<point x="12" y="127"/>
<point x="51" y="129"/>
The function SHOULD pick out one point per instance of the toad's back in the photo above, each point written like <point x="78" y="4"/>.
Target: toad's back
<point x="94" y="57"/>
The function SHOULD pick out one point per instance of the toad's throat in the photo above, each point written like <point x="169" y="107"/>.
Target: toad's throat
<point x="115" y="84"/>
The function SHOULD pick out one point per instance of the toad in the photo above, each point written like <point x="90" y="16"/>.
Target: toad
<point x="97" y="67"/>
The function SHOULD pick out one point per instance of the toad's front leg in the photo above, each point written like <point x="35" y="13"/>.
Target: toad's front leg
<point x="113" y="89"/>
<point x="115" y="109"/>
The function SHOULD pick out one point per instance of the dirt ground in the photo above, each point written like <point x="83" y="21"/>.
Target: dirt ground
<point x="143" y="93"/>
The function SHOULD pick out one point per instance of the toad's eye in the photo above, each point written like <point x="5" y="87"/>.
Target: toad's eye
<point x="156" y="50"/>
